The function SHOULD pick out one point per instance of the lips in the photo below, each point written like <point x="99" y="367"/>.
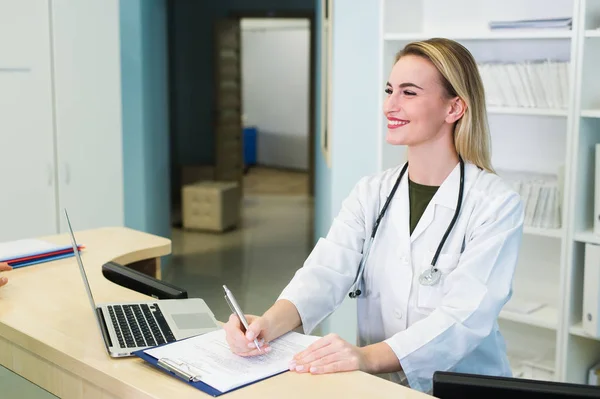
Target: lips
<point x="395" y="123"/>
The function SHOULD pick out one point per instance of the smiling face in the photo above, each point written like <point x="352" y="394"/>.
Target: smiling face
<point x="418" y="108"/>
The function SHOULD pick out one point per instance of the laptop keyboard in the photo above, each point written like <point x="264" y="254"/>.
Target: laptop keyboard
<point x="140" y="325"/>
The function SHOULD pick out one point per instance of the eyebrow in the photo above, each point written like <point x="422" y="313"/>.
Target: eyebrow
<point x="407" y="84"/>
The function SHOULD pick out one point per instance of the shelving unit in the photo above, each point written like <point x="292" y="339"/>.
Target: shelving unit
<point x="587" y="236"/>
<point x="535" y="231"/>
<point x="527" y="111"/>
<point x="537" y="140"/>
<point x="590" y="113"/>
<point x="546" y="317"/>
<point x="482" y="35"/>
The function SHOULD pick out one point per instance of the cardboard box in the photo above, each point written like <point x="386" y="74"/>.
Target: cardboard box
<point x="212" y="206"/>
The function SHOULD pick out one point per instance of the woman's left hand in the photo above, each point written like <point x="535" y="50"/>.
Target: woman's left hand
<point x="330" y="354"/>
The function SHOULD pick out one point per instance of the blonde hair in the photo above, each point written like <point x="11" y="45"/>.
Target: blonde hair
<point x="460" y="77"/>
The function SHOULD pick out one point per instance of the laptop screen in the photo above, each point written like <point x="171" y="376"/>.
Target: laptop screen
<point x="81" y="268"/>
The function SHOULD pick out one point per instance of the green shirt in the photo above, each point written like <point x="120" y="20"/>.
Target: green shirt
<point x="419" y="196"/>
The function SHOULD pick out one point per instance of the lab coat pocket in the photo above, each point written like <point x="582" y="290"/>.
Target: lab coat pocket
<point x="430" y="297"/>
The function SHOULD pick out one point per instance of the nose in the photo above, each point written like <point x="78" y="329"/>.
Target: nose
<point x="391" y="105"/>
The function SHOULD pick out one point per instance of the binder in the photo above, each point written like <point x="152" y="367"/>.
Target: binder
<point x="40" y="258"/>
<point x="186" y="373"/>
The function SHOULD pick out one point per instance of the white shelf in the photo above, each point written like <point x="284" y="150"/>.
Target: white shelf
<point x="590" y="113"/>
<point x="486" y="35"/>
<point x="587" y="236"/>
<point x="577" y="329"/>
<point x="592" y="33"/>
<point x="527" y="111"/>
<point x="546" y="317"/>
<point x="536" y="231"/>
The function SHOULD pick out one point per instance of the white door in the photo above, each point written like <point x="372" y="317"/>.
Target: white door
<point x="27" y="184"/>
<point x="88" y="112"/>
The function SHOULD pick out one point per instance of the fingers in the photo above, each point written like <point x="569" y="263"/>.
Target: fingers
<point x="330" y="354"/>
<point x="234" y="335"/>
<point x="4" y="267"/>
<point x="238" y="341"/>
<point x="315" y="355"/>
<point x="333" y="367"/>
<point x="255" y="327"/>
<point x="318" y="344"/>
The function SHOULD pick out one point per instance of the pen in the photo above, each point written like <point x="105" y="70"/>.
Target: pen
<point x="235" y="308"/>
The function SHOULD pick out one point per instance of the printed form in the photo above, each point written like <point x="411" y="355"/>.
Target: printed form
<point x="208" y="356"/>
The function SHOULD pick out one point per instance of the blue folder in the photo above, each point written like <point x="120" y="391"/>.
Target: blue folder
<point x="198" y="385"/>
<point x="16" y="265"/>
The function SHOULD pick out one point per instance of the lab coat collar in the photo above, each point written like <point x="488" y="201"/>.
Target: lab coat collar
<point x="446" y="196"/>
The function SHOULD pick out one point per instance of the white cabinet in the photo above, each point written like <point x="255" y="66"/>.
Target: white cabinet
<point x="27" y="162"/>
<point x="86" y="48"/>
<point x="60" y="116"/>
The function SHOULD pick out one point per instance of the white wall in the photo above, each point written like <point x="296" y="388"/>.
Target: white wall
<point x="275" y="89"/>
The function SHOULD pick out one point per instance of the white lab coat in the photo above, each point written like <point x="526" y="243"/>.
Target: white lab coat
<point x="451" y="326"/>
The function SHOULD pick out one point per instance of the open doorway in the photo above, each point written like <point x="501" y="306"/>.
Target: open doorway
<point x="276" y="102"/>
<point x="219" y="109"/>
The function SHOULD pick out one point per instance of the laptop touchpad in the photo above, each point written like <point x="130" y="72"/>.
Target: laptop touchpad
<point x="192" y="321"/>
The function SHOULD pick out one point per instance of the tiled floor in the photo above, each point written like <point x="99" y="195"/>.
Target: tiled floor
<point x="256" y="260"/>
<point x="13" y="386"/>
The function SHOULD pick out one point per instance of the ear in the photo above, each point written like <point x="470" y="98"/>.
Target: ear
<point x="456" y="110"/>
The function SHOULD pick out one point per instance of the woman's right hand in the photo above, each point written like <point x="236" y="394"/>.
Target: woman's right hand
<point x="243" y="344"/>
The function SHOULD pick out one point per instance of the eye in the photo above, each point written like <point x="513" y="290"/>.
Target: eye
<point x="409" y="93"/>
<point x="388" y="90"/>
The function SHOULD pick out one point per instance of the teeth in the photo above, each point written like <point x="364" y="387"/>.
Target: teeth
<point x="397" y="123"/>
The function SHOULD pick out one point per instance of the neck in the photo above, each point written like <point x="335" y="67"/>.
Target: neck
<point x="431" y="163"/>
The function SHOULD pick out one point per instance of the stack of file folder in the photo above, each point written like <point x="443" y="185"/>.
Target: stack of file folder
<point x="548" y="23"/>
<point x="31" y="251"/>
<point x="532" y="84"/>
<point x="541" y="195"/>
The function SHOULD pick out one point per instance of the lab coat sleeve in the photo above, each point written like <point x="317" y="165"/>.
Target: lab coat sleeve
<point x="328" y="273"/>
<point x="474" y="294"/>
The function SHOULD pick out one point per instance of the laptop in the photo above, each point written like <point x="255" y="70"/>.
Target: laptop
<point x="131" y="326"/>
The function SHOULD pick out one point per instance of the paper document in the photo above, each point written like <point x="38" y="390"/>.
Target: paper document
<point x="210" y="357"/>
<point x="21" y="248"/>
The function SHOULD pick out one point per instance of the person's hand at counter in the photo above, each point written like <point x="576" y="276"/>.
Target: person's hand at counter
<point x="331" y="354"/>
<point x="278" y="320"/>
<point x="242" y="343"/>
<point x="4" y="267"/>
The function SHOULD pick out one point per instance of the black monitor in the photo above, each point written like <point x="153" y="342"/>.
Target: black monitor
<point x="448" y="385"/>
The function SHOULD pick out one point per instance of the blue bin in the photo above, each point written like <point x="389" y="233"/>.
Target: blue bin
<point x="250" y="146"/>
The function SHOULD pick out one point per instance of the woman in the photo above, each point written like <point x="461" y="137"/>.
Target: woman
<point x="414" y="317"/>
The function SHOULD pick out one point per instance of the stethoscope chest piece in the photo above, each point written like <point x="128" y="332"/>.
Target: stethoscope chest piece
<point x="430" y="276"/>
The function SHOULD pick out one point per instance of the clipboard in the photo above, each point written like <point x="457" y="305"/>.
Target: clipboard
<point x="186" y="373"/>
<point x="180" y="372"/>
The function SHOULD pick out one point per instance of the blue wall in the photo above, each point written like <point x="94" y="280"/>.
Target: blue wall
<point x="355" y="90"/>
<point x="145" y="115"/>
<point x="322" y="202"/>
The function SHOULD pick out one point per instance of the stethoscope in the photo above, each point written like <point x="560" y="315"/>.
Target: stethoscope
<point x="430" y="276"/>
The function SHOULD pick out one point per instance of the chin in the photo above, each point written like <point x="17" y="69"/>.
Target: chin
<point x="396" y="139"/>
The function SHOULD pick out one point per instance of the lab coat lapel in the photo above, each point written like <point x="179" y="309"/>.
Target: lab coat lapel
<point x="446" y="195"/>
<point x="401" y="212"/>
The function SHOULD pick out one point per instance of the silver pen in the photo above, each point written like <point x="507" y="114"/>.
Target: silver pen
<point x="235" y="308"/>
